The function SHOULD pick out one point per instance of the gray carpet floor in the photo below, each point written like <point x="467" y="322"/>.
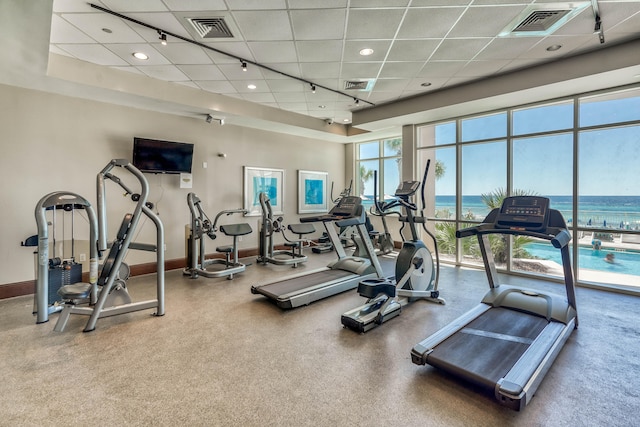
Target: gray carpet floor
<point x="222" y="356"/>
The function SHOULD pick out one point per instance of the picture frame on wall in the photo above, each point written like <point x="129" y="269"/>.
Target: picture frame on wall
<point x="312" y="191"/>
<point x="258" y="180"/>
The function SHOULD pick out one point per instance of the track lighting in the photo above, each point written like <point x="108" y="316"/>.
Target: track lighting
<point x="162" y="36"/>
<point x="208" y="118"/>
<point x="357" y="101"/>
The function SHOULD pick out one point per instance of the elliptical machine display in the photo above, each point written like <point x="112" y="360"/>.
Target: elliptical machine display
<point x="416" y="274"/>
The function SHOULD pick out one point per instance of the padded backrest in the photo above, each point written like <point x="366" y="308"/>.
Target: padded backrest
<point x="236" y="229"/>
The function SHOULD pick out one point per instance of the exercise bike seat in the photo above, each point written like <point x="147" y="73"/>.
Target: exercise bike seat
<point x="371" y="288"/>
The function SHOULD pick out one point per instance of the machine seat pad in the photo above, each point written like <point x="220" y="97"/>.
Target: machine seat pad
<point x="225" y="249"/>
<point x="371" y="288"/>
<point x="75" y="291"/>
<point x="302" y="228"/>
<point x="292" y="244"/>
<point x="236" y="229"/>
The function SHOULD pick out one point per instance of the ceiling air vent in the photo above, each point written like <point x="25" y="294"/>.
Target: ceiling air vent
<point x="363" y="85"/>
<point x="543" y="19"/>
<point x="211" y="28"/>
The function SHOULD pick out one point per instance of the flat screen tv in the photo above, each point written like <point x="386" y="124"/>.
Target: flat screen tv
<point x="156" y="156"/>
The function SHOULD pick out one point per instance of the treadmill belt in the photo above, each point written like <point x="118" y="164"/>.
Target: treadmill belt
<point x="487" y="348"/>
<point x="300" y="283"/>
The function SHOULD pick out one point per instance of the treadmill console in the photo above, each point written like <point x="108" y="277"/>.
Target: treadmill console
<point x="346" y="207"/>
<point x="529" y="213"/>
<point x="407" y="188"/>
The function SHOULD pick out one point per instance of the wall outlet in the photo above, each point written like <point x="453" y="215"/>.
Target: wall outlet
<point x="82" y="257"/>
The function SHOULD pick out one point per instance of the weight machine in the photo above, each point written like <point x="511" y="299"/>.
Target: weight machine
<point x="202" y="226"/>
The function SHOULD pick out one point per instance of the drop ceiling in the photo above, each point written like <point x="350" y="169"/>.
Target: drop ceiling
<point x="419" y="46"/>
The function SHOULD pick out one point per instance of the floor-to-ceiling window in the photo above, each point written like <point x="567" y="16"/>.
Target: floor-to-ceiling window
<point x="381" y="159"/>
<point x="580" y="152"/>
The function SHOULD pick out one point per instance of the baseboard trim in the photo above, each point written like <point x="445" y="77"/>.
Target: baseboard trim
<point x="28" y="287"/>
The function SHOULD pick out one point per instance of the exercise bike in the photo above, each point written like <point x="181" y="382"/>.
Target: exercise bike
<point x="416" y="274"/>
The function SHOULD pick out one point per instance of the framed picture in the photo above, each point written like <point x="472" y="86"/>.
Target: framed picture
<point x="263" y="180"/>
<point x="312" y="191"/>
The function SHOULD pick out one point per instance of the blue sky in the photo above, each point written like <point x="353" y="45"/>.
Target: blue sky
<point x="608" y="159"/>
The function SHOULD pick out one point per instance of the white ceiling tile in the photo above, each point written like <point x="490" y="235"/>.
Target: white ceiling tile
<point x="429" y="3"/>
<point x="235" y="49"/>
<point x="293" y="69"/>
<point x="202" y="72"/>
<point x="352" y="50"/>
<point x="319" y="51"/>
<point x="242" y="86"/>
<point x="315" y="4"/>
<point x="169" y="73"/>
<point x="234" y="72"/>
<point x="412" y="50"/>
<point x="290" y="97"/>
<point x="60" y="6"/>
<point x="167" y="21"/>
<point x="325" y="24"/>
<point x="429" y="23"/>
<point x="93" y="23"/>
<point x="93" y="53"/>
<point x="55" y="49"/>
<point x="184" y="53"/>
<point x="373" y="23"/>
<point x="400" y="69"/>
<point x="287" y="85"/>
<point x="441" y="68"/>
<point x="258" y="4"/>
<point x="459" y="49"/>
<point x="273" y="52"/>
<point x="265" y="25"/>
<point x="63" y="32"/>
<point x="216" y="86"/>
<point x="479" y="69"/>
<point x="125" y="51"/>
<point x="320" y="70"/>
<point x="360" y="70"/>
<point x="378" y="3"/>
<point x="195" y="5"/>
<point x="393" y="85"/>
<point x="122" y="6"/>
<point x="484" y="21"/>
<point x="507" y="47"/>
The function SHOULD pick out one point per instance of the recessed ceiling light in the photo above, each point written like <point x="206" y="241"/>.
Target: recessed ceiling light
<point x="366" y="51"/>
<point x="140" y="55"/>
<point x="322" y="106"/>
<point x="107" y="30"/>
<point x="554" y="47"/>
<point x="251" y="86"/>
<point x="425" y="84"/>
<point x="345" y="120"/>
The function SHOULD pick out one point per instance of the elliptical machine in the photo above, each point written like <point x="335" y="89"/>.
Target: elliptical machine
<point x="416" y="275"/>
<point x="270" y="225"/>
<point x="202" y="226"/>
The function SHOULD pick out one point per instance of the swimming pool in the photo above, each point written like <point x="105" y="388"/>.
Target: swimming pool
<point x="626" y="261"/>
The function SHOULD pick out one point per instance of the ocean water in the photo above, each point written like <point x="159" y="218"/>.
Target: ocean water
<point x="596" y="211"/>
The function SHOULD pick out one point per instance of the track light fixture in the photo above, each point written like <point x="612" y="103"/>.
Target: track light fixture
<point x="208" y="118"/>
<point x="357" y="101"/>
<point x="163" y="36"/>
<point x="313" y="88"/>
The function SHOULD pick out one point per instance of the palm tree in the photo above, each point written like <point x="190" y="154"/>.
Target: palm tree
<point x="365" y="175"/>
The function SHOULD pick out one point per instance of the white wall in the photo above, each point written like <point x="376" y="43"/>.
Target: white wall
<point x="54" y="143"/>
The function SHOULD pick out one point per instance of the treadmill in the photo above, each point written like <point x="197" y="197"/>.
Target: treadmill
<point x="509" y="341"/>
<point x="340" y="275"/>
